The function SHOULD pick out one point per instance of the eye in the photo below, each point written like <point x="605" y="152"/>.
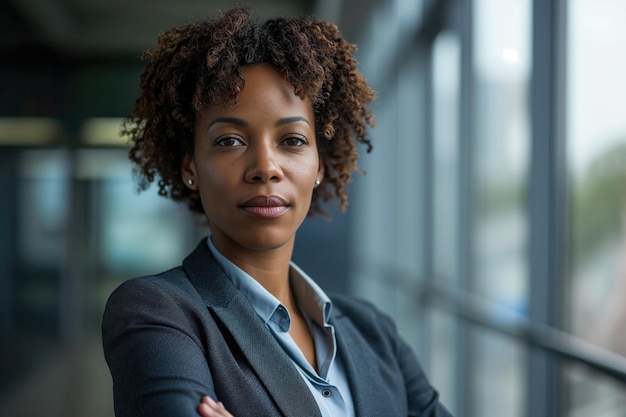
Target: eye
<point x="294" y="141"/>
<point x="229" y="141"/>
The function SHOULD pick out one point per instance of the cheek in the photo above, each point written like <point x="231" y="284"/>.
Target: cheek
<point x="306" y="179"/>
<point x="216" y="182"/>
<point x="314" y="169"/>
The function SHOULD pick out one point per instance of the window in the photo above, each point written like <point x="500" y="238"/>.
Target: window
<point x="596" y="142"/>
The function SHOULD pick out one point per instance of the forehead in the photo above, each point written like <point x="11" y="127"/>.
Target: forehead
<point x="261" y="79"/>
<point x="265" y="91"/>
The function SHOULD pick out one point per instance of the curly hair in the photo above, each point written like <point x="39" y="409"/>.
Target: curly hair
<point x="200" y="63"/>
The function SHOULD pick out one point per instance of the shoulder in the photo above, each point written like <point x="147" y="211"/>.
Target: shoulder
<point x="153" y="298"/>
<point x="173" y="283"/>
<point x="358" y="308"/>
<point x="350" y="302"/>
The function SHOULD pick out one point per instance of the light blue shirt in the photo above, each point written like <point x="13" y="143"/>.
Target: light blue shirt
<point x="330" y="386"/>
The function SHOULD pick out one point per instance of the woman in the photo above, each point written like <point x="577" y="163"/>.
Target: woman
<point x="253" y="125"/>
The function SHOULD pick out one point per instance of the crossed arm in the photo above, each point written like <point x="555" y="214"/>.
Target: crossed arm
<point x="209" y="408"/>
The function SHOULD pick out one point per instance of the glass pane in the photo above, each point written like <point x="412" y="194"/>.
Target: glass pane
<point x="443" y="328"/>
<point x="497" y="385"/>
<point x="443" y="349"/>
<point x="501" y="138"/>
<point x="596" y="142"/>
<point x="131" y="233"/>
<point x="33" y="279"/>
<point x="446" y="99"/>
<point x="597" y="161"/>
<point x="140" y="233"/>
<point x="43" y="203"/>
<point x="593" y="395"/>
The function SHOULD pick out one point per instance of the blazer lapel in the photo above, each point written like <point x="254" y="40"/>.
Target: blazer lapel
<point x="358" y="361"/>
<point x="273" y="367"/>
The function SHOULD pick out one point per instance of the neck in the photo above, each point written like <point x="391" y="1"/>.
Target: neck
<point x="269" y="267"/>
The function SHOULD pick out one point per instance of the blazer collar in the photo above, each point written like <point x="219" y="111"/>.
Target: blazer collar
<point x="274" y="368"/>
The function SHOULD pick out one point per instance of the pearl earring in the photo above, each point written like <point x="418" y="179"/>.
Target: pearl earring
<point x="317" y="183"/>
<point x="190" y="181"/>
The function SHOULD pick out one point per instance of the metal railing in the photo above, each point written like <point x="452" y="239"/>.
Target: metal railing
<point x="562" y="345"/>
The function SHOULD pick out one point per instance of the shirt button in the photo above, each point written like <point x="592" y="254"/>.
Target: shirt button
<point x="326" y="393"/>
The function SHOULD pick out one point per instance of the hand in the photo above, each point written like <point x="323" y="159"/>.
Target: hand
<point x="210" y="408"/>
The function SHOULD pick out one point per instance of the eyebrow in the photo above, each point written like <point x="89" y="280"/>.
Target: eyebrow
<point x="229" y="120"/>
<point x="243" y="123"/>
<point x="293" y="119"/>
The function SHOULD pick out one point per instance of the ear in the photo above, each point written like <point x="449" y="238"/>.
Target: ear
<point x="188" y="172"/>
<point x="320" y="169"/>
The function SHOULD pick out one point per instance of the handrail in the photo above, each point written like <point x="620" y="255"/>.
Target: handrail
<point x="563" y="345"/>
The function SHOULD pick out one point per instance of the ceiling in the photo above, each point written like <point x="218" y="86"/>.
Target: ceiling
<point x="109" y="30"/>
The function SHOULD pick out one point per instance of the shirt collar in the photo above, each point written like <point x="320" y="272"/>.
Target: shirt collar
<point x="311" y="299"/>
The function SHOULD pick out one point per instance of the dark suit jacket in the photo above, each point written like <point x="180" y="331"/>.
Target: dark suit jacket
<point x="172" y="338"/>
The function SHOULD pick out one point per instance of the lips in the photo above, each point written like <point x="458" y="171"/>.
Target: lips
<point x="263" y="201"/>
<point x="267" y="207"/>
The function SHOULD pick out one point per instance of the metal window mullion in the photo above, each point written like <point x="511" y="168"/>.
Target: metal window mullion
<point x="463" y="21"/>
<point x="428" y="189"/>
<point x="546" y="199"/>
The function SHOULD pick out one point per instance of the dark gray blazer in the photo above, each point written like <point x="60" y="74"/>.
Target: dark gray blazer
<point x="172" y="338"/>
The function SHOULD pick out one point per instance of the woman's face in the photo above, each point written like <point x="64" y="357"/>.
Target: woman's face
<point x="255" y="165"/>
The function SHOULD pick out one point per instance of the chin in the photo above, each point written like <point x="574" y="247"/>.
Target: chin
<point x="267" y="241"/>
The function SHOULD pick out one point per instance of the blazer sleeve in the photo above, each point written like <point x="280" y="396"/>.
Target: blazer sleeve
<point x="152" y="346"/>
<point x="422" y="398"/>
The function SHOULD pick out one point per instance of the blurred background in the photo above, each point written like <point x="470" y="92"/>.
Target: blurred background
<point x="491" y="222"/>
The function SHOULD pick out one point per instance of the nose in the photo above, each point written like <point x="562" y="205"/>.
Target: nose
<point x="263" y="163"/>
